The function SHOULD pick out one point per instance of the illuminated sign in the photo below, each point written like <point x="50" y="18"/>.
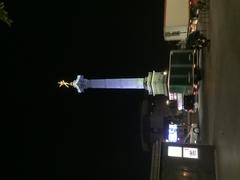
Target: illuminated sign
<point x="179" y="98"/>
<point x="174" y="151"/>
<point x="190" y="152"/>
<point x="180" y="101"/>
<point x="185" y="152"/>
<point x="172" y="133"/>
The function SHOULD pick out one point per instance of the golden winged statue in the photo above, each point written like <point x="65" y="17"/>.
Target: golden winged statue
<point x="66" y="84"/>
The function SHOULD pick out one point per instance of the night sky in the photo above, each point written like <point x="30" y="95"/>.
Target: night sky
<point x="52" y="132"/>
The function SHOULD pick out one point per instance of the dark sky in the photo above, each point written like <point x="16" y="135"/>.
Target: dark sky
<point x="58" y="132"/>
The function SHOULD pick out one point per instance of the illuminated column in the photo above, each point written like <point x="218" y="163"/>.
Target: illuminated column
<point x="120" y="83"/>
<point x="155" y="83"/>
<point x="126" y="83"/>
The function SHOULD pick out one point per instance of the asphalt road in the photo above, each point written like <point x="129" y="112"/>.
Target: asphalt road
<point x="220" y="108"/>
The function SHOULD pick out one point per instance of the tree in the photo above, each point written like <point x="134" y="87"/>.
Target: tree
<point x="4" y="15"/>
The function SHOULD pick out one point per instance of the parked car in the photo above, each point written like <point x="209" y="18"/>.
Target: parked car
<point x="198" y="3"/>
<point x="196" y="40"/>
<point x="194" y="12"/>
<point x="193" y="134"/>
